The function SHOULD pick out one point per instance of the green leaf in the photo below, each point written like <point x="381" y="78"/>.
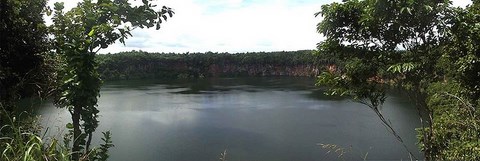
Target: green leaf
<point x="69" y="126"/>
<point x="428" y="8"/>
<point x="409" y="10"/>
<point x="91" y="32"/>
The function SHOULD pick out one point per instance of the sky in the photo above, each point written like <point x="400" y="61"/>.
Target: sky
<point x="230" y="26"/>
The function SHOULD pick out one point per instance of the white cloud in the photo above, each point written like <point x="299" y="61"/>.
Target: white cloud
<point x="461" y="3"/>
<point x="231" y="26"/>
<point x="236" y="28"/>
<point x="227" y="26"/>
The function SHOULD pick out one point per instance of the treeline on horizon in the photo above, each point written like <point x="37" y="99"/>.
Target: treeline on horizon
<point x="145" y="65"/>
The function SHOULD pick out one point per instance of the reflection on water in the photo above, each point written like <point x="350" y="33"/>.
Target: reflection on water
<point x="253" y="118"/>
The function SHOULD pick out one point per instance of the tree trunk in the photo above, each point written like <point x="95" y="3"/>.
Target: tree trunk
<point x="89" y="141"/>
<point x="76" y="133"/>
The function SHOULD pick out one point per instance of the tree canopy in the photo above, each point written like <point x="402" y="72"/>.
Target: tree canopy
<point x="429" y="49"/>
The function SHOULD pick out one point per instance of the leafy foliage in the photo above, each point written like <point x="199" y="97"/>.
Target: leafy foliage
<point x="420" y="47"/>
<point x="25" y="66"/>
<point x="101" y="153"/>
<point x="26" y="69"/>
<point x="78" y="35"/>
<point x="454" y="101"/>
<point x="365" y="38"/>
<point x="20" y="140"/>
<point x="455" y="129"/>
<point x="461" y="59"/>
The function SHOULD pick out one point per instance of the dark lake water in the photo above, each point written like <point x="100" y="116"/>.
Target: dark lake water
<point x="254" y="119"/>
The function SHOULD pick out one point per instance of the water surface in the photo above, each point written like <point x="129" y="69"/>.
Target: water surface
<point x="254" y="119"/>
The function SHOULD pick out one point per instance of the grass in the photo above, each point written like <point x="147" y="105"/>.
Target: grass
<point x="20" y="141"/>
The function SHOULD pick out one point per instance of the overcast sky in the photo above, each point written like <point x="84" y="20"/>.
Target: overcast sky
<point x="231" y="26"/>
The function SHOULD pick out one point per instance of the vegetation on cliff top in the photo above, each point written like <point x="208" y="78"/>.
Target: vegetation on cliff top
<point x="139" y="64"/>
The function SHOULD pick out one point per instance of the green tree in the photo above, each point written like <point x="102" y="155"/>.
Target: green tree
<point x="461" y="59"/>
<point x="27" y="69"/>
<point x="78" y="35"/>
<point x="24" y="62"/>
<point x="454" y="100"/>
<point x="427" y="48"/>
<point x="379" y="44"/>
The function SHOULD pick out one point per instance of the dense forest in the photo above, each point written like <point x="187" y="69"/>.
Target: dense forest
<point x="428" y="49"/>
<point x="140" y="65"/>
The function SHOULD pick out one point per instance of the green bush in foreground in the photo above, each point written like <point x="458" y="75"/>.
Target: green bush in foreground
<point x="456" y="128"/>
<point x="21" y="140"/>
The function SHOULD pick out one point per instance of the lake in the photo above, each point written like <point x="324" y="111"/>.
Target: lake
<point x="253" y="119"/>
